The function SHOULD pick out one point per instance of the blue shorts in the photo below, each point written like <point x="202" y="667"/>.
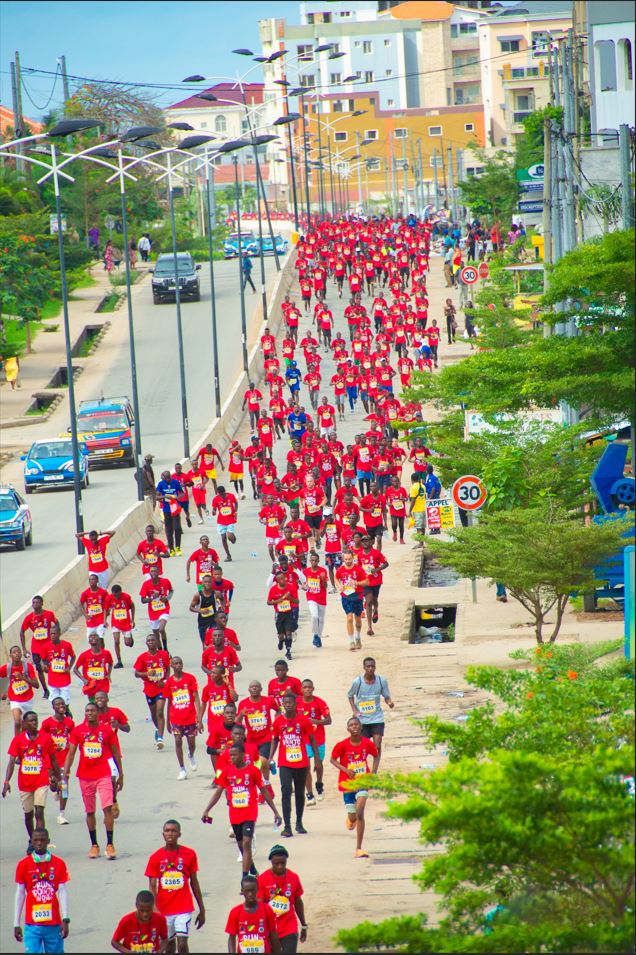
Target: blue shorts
<point x="364" y="475"/>
<point x="321" y="751"/>
<point x="352" y="604"/>
<point x="350" y="798"/>
<point x="43" y="938"/>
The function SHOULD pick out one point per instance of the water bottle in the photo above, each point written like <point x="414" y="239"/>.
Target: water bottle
<point x="64" y="789"/>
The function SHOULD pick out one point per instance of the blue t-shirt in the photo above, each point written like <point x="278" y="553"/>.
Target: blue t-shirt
<point x="293" y="377"/>
<point x="246" y="265"/>
<point x="297" y="423"/>
<point x="171" y="488"/>
<point x="433" y="486"/>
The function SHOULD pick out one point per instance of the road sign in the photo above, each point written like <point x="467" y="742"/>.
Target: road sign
<point x="469" y="492"/>
<point x="53" y="224"/>
<point x="440" y="514"/>
<point x="531" y="205"/>
<point x="469" y="275"/>
<point x="109" y="222"/>
<point x="483" y="270"/>
<point x="532" y="174"/>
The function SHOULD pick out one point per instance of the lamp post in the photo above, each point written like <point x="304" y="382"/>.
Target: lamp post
<point x="209" y="175"/>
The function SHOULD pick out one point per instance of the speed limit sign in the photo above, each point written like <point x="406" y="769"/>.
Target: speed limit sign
<point x="469" y="492"/>
<point x="469" y="275"/>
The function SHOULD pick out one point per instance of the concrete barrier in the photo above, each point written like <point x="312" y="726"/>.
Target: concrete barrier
<point x="61" y="594"/>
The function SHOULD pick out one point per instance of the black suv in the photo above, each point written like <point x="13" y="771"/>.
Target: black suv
<point x="163" y="279"/>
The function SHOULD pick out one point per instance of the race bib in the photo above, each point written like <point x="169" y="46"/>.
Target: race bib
<point x="94" y="610"/>
<point x="240" y="800"/>
<point x="290" y="550"/>
<point x="367" y="706"/>
<point x="279" y="905"/>
<point x="251" y="943"/>
<point x="265" y="429"/>
<point x="217" y="707"/>
<point x="40" y="633"/>
<point x="120" y="613"/>
<point x="157" y="604"/>
<point x="19" y="687"/>
<point x="284" y="606"/>
<point x="58" y="665"/>
<point x="358" y="766"/>
<point x="142" y="947"/>
<point x="313" y="508"/>
<point x="206" y="612"/>
<point x="172" y="881"/>
<point x="257" y="721"/>
<point x="348" y="591"/>
<point x="42" y="912"/>
<point x="31" y="765"/>
<point x="92" y="749"/>
<point x="313" y="585"/>
<point x="151" y="559"/>
<point x="294" y="754"/>
<point x="376" y="512"/>
<point x="154" y="674"/>
<point x="180" y="698"/>
<point x="60" y="742"/>
<point x="95" y="673"/>
<point x="272" y="522"/>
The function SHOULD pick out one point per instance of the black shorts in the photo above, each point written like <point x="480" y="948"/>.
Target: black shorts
<point x="374" y="590"/>
<point x="263" y="750"/>
<point x="37" y="660"/>
<point x="314" y="521"/>
<point x="152" y="700"/>
<point x="285" y="622"/>
<point x="333" y="560"/>
<point x="369" y="730"/>
<point x="242" y="829"/>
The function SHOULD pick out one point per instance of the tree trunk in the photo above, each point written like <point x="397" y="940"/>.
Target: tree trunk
<point x="561" y="605"/>
<point x="28" y="336"/>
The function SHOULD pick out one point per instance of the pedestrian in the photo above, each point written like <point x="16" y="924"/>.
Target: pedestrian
<point x="292" y="732"/>
<point x="181" y="690"/>
<point x="153" y="667"/>
<point x="12" y="371"/>
<point x="225" y="509"/>
<point x="147" y="476"/>
<point x="143" y="930"/>
<point x="39" y="621"/>
<point x="251" y="926"/>
<point x="59" y="726"/>
<point x="144" y="245"/>
<point x="246" y="270"/>
<point x="316" y="710"/>
<point x="350" y="581"/>
<point x="109" y="254"/>
<point x="156" y="592"/>
<point x="350" y="757"/>
<point x="93" y="240"/>
<point x="417" y="502"/>
<point x="57" y="659"/>
<point x="168" y="492"/>
<point x="34" y="752"/>
<point x="315" y="587"/>
<point x="365" y="698"/>
<point x="132" y="253"/>
<point x="40" y="891"/>
<point x="281" y="889"/>
<point x="448" y="267"/>
<point x="469" y="323"/>
<point x="451" y="320"/>
<point x="173" y="879"/>
<point x="97" y="744"/>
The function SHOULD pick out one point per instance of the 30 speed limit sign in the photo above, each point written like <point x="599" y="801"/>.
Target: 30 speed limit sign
<point x="469" y="275"/>
<point x="469" y="492"/>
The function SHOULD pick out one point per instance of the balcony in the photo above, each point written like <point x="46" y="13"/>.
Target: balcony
<point x="511" y="75"/>
<point x="519" y="115"/>
<point x="466" y="72"/>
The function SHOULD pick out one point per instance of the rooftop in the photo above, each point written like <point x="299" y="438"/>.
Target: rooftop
<point x="224" y="92"/>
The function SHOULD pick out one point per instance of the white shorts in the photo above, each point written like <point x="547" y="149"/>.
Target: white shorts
<point x="179" y="924"/>
<point x="155" y="624"/>
<point x="63" y="691"/>
<point x="98" y="629"/>
<point x="226" y="529"/>
<point x="23" y="707"/>
<point x="102" y="578"/>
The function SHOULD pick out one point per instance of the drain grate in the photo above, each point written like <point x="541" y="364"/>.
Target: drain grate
<point x="397" y="860"/>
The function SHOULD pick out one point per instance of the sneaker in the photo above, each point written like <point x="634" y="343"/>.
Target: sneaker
<point x="45" y="695"/>
<point x="320" y="790"/>
<point x="188" y="522"/>
<point x="159" y="742"/>
<point x="239" y="857"/>
<point x="115" y="810"/>
<point x="310" y="799"/>
<point x="358" y="645"/>
<point x="172" y="552"/>
<point x="317" y="642"/>
<point x="288" y="655"/>
<point x="200" y="521"/>
<point x="286" y="833"/>
<point x="360" y="854"/>
<point x="62" y="820"/>
<point x="109" y="852"/>
<point x="395" y="537"/>
<point x="118" y="666"/>
<point x="272" y="768"/>
<point x="177" y="551"/>
<point x="300" y="829"/>
<point x="94" y="852"/>
<point x="281" y="643"/>
<point x="182" y="774"/>
<point x="193" y="764"/>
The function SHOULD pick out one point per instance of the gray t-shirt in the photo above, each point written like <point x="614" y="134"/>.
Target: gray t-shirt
<point x="368" y="698"/>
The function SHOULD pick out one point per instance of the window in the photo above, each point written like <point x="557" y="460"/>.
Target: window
<point x="220" y="124"/>
<point x="509" y="46"/>
<point x="469" y="127"/>
<point x="245" y="126"/>
<point x="367" y="46"/>
<point x="626" y="69"/>
<point x="523" y="101"/>
<point x="203" y="125"/>
<point x="606" y="61"/>
<point x="373" y="165"/>
<point x="389" y="102"/>
<point x="334" y="48"/>
<point x="462" y="29"/>
<point x="387" y="43"/>
<point x="472" y="170"/>
<point x="388" y="72"/>
<point x="369" y="76"/>
<point x="307" y="79"/>
<point x="357" y="43"/>
<point x="370" y="134"/>
<point x="434" y="130"/>
<point x="341" y="137"/>
<point x="337" y="106"/>
<point x="306" y="51"/>
<point x="401" y="133"/>
<point x="539" y="41"/>
<point x="344" y="13"/>
<point x="335" y="78"/>
<point x="358" y="74"/>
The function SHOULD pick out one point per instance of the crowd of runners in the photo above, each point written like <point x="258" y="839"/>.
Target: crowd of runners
<point x="330" y="511"/>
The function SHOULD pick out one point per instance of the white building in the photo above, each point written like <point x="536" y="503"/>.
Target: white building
<point x="611" y="63"/>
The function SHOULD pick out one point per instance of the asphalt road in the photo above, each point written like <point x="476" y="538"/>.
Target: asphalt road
<point x="112" y="491"/>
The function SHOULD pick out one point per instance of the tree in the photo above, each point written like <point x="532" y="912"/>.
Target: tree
<point x="531" y="819"/>
<point x="117" y="107"/>
<point x="529" y="146"/>
<point x="541" y="553"/>
<point x="494" y="193"/>
<point x="24" y="285"/>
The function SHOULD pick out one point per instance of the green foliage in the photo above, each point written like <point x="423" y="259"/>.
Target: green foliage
<point x="25" y="283"/>
<point x="529" y="146"/>
<point x="540" y="552"/>
<point x="531" y="818"/>
<point x="494" y="193"/>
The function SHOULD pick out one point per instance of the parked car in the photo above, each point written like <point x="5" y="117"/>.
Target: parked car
<point x="16" y="525"/>
<point x="164" y="277"/>
<point x="231" y="244"/>
<point x="268" y="247"/>
<point x="106" y="427"/>
<point x="49" y="463"/>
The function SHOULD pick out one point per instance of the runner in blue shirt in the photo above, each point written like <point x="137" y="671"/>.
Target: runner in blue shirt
<point x="169" y="490"/>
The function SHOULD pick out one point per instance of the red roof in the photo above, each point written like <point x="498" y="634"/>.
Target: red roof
<point x="224" y="91"/>
<point x="7" y="121"/>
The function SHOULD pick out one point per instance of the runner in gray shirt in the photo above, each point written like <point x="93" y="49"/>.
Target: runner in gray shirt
<point x="365" y="698"/>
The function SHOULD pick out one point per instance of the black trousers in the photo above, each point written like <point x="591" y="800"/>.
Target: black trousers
<point x="172" y="524"/>
<point x="289" y="944"/>
<point x="295" y="778"/>
<point x="247" y="279"/>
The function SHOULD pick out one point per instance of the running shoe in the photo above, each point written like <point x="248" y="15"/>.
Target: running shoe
<point x="109" y="851"/>
<point x="118" y="666"/>
<point x="360" y="854"/>
<point x="320" y="791"/>
<point x="350" y="823"/>
<point x="62" y="820"/>
<point x="182" y="774"/>
<point x="300" y="829"/>
<point x="159" y="742"/>
<point x="193" y="764"/>
<point x="172" y="551"/>
<point x="177" y="551"/>
<point x="311" y="801"/>
<point x="317" y="642"/>
<point x="94" y="852"/>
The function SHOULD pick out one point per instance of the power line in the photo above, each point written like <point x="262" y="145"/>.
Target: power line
<point x="42" y="108"/>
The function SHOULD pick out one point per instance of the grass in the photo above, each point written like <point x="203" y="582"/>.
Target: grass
<point x="13" y="338"/>
<point x="119" y="280"/>
<point x="36" y="412"/>
<point x="109" y="303"/>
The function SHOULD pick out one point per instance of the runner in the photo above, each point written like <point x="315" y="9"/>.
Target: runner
<point x="34" y="751"/>
<point x="223" y="589"/>
<point x="117" y="720"/>
<point x="373" y="507"/>
<point x="59" y="727"/>
<point x="181" y="690"/>
<point x="251" y="926"/>
<point x="317" y="711"/>
<point x="153" y="667"/>
<point x="93" y="602"/>
<point x="350" y="581"/>
<point x="252" y="398"/>
<point x="373" y="563"/>
<point x="143" y="930"/>
<point x="225" y="509"/>
<point x="223" y="653"/>
<point x="236" y="468"/>
<point x="333" y="546"/>
<point x="184" y="499"/>
<point x="266" y="428"/>
<point x="272" y="516"/>
<point x="57" y="659"/>
<point x="281" y="597"/>
<point x="241" y="783"/>
<point x="350" y="757"/>
<point x="255" y="713"/>
<point x="365" y="698"/>
<point x="282" y="890"/>
<point x="22" y="681"/>
<point x="316" y="589"/>
<point x="121" y="609"/>
<point x="156" y="593"/>
<point x="39" y="622"/>
<point x="169" y="491"/>
<point x="203" y="604"/>
<point x="293" y="732"/>
<point x="172" y="874"/>
<point x="151" y="552"/>
<point x="94" y="667"/>
<point x="204" y="558"/>
<point x="97" y="744"/>
<point x="206" y="457"/>
<point x="40" y="891"/>
<point x="396" y="498"/>
<point x="95" y="543"/>
<point x="195" y="478"/>
<point x="216" y="695"/>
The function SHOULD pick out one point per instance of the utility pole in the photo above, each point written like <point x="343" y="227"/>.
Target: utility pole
<point x="547" y="209"/>
<point x="567" y="170"/>
<point x="421" y="170"/>
<point x="18" y="86"/>
<point x="459" y="159"/>
<point x="393" y="203"/>
<point x="627" y="199"/>
<point x="435" y="180"/>
<point x="444" y="186"/>
<point x="17" y="126"/>
<point x="451" y="185"/>
<point x="65" y="84"/>
<point x="360" y="196"/>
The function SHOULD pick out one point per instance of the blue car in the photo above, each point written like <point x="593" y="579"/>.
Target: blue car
<point x="49" y="463"/>
<point x="231" y="244"/>
<point x="16" y="526"/>
<point x="268" y="246"/>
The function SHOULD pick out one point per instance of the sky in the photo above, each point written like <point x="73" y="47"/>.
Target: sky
<point x="138" y="41"/>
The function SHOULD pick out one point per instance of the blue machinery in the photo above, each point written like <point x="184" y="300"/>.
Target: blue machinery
<point x="616" y="494"/>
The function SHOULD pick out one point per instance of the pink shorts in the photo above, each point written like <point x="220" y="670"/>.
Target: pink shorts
<point x="91" y="787"/>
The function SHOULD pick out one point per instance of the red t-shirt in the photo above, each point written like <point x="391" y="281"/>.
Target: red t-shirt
<point x="284" y="597"/>
<point x="172" y="869"/>
<point x="293" y="735"/>
<point x="18" y="691"/>
<point x="369" y="563"/>
<point x="280" y="893"/>
<point x="152" y="552"/>
<point x="353" y="756"/>
<point x="95" y="747"/>
<point x="253" y="398"/>
<point x="333" y="544"/>
<point x="316" y="709"/>
<point x="396" y="499"/>
<point x="154" y="666"/>
<point x="205" y="561"/>
<point x="180" y="693"/>
<point x="372" y="510"/>
<point x="58" y="656"/>
<point x="257" y="719"/>
<point x="41" y="881"/>
<point x="351" y="578"/>
<point x="96" y="553"/>
<point x="94" y="602"/>
<point x="272" y="516"/>
<point x="241" y="787"/>
<point x="225" y="508"/>
<point x="139" y="936"/>
<point x="34" y="759"/>
<point x="60" y="732"/>
<point x="217" y="697"/>
<point x="326" y="415"/>
<point x="317" y="585"/>
<point x="227" y="658"/>
<point x="94" y="668"/>
<point x="313" y="499"/>
<point x="252" y="929"/>
<point x="40" y="625"/>
<point x="277" y="690"/>
<point x="120" y="612"/>
<point x="159" y="604"/>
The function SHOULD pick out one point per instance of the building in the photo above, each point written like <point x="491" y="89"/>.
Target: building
<point x="7" y="123"/>
<point x="514" y="59"/>
<point x="610" y="30"/>
<point x="225" y="116"/>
